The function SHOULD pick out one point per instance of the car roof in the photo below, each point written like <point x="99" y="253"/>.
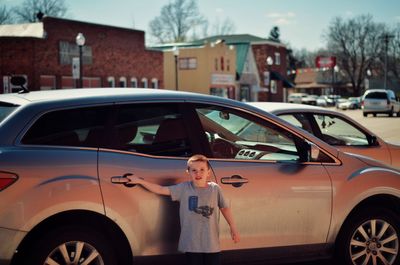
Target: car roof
<point x="281" y="107"/>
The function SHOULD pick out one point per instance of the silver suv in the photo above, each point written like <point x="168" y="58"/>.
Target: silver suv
<point x="380" y="101"/>
<point x="66" y="158"/>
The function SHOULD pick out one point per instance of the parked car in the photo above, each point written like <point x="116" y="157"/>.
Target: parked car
<point x="302" y="98"/>
<point x="332" y="99"/>
<point x="336" y="129"/>
<point x="350" y="103"/>
<point x="321" y="101"/>
<point x="66" y="198"/>
<point x="377" y="101"/>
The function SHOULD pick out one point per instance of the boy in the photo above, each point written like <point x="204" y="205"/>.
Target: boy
<point x="198" y="198"/>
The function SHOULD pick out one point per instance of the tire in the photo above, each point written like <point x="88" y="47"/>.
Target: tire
<point x="365" y="114"/>
<point x="79" y="244"/>
<point x="359" y="244"/>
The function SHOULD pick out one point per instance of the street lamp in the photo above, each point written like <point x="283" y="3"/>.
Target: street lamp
<point x="80" y="41"/>
<point x="386" y="38"/>
<point x="175" y="51"/>
<point x="335" y="77"/>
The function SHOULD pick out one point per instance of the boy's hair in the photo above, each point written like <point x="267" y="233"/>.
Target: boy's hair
<point x="197" y="158"/>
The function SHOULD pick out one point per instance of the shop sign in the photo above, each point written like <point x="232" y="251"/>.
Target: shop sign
<point x="222" y="79"/>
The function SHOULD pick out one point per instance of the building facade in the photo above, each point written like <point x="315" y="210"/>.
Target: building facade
<point x="207" y="69"/>
<point x="44" y="53"/>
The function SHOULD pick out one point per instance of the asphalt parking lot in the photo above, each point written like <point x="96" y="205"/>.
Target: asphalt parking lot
<point x="388" y="128"/>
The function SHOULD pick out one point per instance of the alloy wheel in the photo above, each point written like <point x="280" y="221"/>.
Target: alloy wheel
<point x="375" y="242"/>
<point x="74" y="253"/>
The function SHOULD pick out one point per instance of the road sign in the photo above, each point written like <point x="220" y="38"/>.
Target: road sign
<point x="75" y="67"/>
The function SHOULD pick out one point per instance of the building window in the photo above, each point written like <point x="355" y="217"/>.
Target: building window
<point x="110" y="81"/>
<point x="145" y="82"/>
<point x="187" y="63"/>
<point x="122" y="82"/>
<point x="228" y="65"/>
<point x="134" y="82"/>
<point x="274" y="87"/>
<point x="216" y="64"/>
<point x="222" y="64"/>
<point x="154" y="83"/>
<point x="277" y="58"/>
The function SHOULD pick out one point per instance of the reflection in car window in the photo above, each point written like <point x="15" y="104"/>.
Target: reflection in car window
<point x="156" y="129"/>
<point x="72" y="127"/>
<point x="336" y="131"/>
<point x="232" y="134"/>
<point x="299" y="120"/>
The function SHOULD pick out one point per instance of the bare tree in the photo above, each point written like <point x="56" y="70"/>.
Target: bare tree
<point x="176" y="20"/>
<point x="28" y="10"/>
<point x="227" y="26"/>
<point x="5" y="15"/>
<point x="357" y="45"/>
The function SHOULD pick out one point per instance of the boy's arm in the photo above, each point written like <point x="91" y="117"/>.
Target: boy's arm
<point x="226" y="212"/>
<point x="152" y="187"/>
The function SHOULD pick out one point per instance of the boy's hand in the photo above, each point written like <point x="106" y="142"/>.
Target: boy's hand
<point x="235" y="235"/>
<point x="135" y="180"/>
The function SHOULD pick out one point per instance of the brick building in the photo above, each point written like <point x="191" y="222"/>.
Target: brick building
<point x="43" y="52"/>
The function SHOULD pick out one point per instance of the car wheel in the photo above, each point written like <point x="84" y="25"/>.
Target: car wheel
<point x="71" y="245"/>
<point x="371" y="237"/>
<point x="365" y="114"/>
<point x="374" y="114"/>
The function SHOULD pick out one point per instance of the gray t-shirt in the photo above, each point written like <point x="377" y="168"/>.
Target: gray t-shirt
<point x="198" y="212"/>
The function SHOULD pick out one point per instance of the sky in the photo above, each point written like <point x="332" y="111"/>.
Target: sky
<point x="302" y="23"/>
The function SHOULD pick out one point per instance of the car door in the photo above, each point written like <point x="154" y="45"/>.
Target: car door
<point x="341" y="133"/>
<point x="277" y="196"/>
<point x="152" y="141"/>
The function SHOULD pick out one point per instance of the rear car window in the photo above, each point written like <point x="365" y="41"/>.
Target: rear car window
<point x="6" y="109"/>
<point x="73" y="127"/>
<point x="376" y="95"/>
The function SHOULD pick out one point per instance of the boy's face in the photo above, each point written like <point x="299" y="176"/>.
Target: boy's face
<point x="199" y="173"/>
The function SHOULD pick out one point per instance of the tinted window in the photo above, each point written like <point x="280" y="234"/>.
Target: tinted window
<point x="156" y="129"/>
<point x="6" y="109"/>
<point x="232" y="134"/>
<point x="73" y="127"/>
<point x="377" y="95"/>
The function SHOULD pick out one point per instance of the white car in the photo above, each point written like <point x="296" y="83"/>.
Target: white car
<point x="380" y="101"/>
<point x="302" y="98"/>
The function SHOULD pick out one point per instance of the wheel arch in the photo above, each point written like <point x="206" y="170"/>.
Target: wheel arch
<point x="386" y="201"/>
<point x="82" y="218"/>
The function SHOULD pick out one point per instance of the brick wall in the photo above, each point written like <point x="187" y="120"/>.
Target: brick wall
<point x="116" y="52"/>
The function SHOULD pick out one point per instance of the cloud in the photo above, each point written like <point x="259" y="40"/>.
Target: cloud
<point x="282" y="18"/>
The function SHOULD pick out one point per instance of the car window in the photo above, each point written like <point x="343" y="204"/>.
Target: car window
<point x="72" y="127"/>
<point x="377" y="95"/>
<point x="232" y="134"/>
<point x="156" y="129"/>
<point x="336" y="131"/>
<point x="299" y="120"/>
<point x="6" y="109"/>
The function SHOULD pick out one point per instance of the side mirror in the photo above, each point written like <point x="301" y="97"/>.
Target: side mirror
<point x="372" y="140"/>
<point x="19" y="81"/>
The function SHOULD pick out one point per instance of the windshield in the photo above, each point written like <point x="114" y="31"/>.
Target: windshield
<point x="6" y="109"/>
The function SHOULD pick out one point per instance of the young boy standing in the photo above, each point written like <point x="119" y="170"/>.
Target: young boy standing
<point x="199" y="201"/>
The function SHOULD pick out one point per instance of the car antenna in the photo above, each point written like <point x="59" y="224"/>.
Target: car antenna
<point x="20" y="81"/>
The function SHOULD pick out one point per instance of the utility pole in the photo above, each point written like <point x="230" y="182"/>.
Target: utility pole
<point x="386" y="38"/>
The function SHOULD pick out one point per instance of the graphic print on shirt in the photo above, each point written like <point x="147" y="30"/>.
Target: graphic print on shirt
<point x="205" y="211"/>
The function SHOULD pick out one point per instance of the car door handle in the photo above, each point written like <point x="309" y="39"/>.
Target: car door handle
<point x="124" y="180"/>
<point x="235" y="180"/>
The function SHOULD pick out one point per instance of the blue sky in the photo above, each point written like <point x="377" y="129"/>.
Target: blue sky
<point x="301" y="22"/>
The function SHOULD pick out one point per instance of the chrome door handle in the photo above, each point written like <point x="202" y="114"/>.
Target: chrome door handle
<point x="235" y="180"/>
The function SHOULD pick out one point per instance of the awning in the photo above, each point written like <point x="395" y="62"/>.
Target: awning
<point x="277" y="76"/>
